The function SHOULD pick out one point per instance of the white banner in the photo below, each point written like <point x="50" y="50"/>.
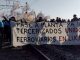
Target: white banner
<point x="46" y="33"/>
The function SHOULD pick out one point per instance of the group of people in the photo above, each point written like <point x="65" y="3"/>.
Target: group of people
<point x="5" y="26"/>
<point x="5" y="29"/>
<point x="59" y="20"/>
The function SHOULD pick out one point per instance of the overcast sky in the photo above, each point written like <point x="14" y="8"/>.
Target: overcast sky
<point x="62" y="8"/>
<point x="55" y="8"/>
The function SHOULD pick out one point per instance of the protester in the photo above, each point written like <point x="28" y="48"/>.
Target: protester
<point x="52" y="20"/>
<point x="1" y="32"/>
<point x="12" y="19"/>
<point x="40" y="19"/>
<point x="6" y="29"/>
<point x="68" y="20"/>
<point x="58" y="20"/>
<point x="74" y="18"/>
<point x="63" y="21"/>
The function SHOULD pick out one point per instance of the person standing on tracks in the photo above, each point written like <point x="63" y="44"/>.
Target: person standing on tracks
<point x="12" y="21"/>
<point x="7" y="29"/>
<point x="1" y="32"/>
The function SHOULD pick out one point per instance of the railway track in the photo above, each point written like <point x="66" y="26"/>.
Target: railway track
<point x="41" y="52"/>
<point x="29" y="52"/>
<point x="55" y="53"/>
<point x="52" y="53"/>
<point x="37" y="52"/>
<point x="48" y="52"/>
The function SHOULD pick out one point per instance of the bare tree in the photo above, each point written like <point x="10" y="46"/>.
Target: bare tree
<point x="26" y="7"/>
